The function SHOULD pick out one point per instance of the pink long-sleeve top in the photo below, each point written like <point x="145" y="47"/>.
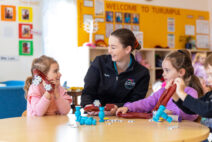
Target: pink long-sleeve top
<point x="38" y="105"/>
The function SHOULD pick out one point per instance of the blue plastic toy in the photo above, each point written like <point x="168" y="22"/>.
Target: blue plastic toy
<point x="160" y="113"/>
<point x="78" y="113"/>
<point x="101" y="114"/>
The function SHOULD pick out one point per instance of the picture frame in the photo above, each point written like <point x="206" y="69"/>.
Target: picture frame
<point x="8" y="13"/>
<point x="25" y="48"/>
<point x="135" y="18"/>
<point x="127" y="17"/>
<point x="25" y="31"/>
<point x="109" y="16"/>
<point x="118" y="17"/>
<point x="25" y="14"/>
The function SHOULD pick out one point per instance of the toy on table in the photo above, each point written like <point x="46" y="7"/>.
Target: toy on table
<point x="78" y="113"/>
<point x="87" y="121"/>
<point x="160" y="113"/>
<point x="101" y="114"/>
<point x="92" y="107"/>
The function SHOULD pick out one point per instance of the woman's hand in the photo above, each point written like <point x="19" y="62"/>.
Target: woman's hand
<point x="180" y="88"/>
<point x="122" y="110"/>
<point x="112" y="111"/>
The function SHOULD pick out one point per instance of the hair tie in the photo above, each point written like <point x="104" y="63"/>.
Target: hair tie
<point x="136" y="44"/>
<point x="181" y="52"/>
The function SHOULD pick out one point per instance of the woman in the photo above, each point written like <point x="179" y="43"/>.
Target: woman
<point x="116" y="78"/>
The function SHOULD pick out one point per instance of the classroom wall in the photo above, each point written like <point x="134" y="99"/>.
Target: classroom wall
<point x="204" y="5"/>
<point x="18" y="69"/>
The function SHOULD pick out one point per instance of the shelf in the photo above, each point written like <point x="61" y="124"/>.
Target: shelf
<point x="158" y="68"/>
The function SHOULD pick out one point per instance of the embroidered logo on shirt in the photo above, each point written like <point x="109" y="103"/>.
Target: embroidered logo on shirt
<point x="129" y="84"/>
<point x="106" y="75"/>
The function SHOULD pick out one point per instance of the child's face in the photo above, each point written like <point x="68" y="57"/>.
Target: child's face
<point x="54" y="74"/>
<point x="209" y="74"/>
<point x="169" y="72"/>
<point x="116" y="50"/>
<point x="202" y="60"/>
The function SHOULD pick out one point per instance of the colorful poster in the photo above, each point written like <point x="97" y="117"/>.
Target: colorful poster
<point x="25" y="31"/>
<point x="135" y="18"/>
<point x="118" y="17"/>
<point x="118" y="26"/>
<point x="25" y="14"/>
<point x="189" y="30"/>
<point x="135" y="28"/>
<point x="202" y="41"/>
<point x="109" y="16"/>
<point x="99" y="8"/>
<point x="25" y="48"/>
<point x="202" y="26"/>
<point x="171" y="25"/>
<point x="127" y="27"/>
<point x="171" y="40"/>
<point x="88" y="3"/>
<point x="8" y="13"/>
<point x="109" y="29"/>
<point x="127" y="17"/>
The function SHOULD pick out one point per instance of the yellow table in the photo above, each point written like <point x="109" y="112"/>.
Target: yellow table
<point x="57" y="128"/>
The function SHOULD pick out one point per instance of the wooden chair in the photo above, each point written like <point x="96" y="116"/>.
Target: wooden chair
<point x="24" y="114"/>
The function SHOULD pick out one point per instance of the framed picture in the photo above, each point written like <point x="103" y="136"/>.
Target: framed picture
<point x="25" y="31"/>
<point x="135" y="18"/>
<point x="127" y="17"/>
<point x="25" y="48"/>
<point x="25" y="14"/>
<point x="118" y="17"/>
<point x="8" y="13"/>
<point x="109" y="16"/>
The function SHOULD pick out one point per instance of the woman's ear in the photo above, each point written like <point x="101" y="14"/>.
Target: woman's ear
<point x="181" y="72"/>
<point x="128" y="49"/>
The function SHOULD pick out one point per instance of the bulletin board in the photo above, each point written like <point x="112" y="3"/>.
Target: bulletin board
<point x="159" y="25"/>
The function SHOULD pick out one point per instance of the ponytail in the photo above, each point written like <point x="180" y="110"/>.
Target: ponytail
<point x="28" y="82"/>
<point x="195" y="83"/>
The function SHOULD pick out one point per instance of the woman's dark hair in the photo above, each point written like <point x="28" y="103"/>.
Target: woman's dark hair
<point x="182" y="59"/>
<point x="126" y="38"/>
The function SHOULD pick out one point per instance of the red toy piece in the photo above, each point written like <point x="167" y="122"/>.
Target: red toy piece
<point x="135" y="115"/>
<point x="167" y="94"/>
<point x="43" y="76"/>
<point x="90" y="108"/>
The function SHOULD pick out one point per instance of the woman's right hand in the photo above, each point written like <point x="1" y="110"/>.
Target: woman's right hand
<point x="92" y="113"/>
<point x="122" y="110"/>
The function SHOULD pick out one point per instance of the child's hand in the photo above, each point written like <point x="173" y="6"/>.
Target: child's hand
<point x="180" y="88"/>
<point x="122" y="110"/>
<point x="168" y="111"/>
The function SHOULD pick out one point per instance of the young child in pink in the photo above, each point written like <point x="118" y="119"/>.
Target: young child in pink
<point x="41" y="102"/>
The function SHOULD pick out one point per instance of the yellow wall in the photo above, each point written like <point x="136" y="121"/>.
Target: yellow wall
<point x="153" y="22"/>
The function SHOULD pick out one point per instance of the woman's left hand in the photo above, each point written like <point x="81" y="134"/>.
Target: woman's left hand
<point x="112" y="111"/>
